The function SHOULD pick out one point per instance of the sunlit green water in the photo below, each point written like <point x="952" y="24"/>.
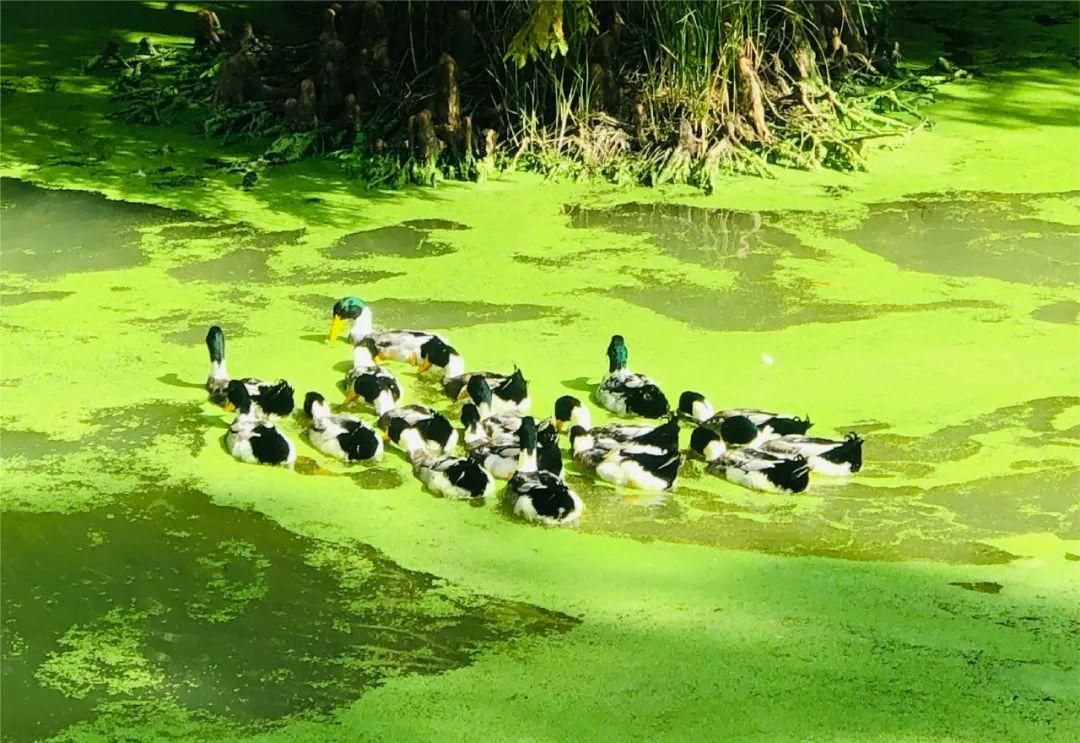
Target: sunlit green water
<point x="153" y="588"/>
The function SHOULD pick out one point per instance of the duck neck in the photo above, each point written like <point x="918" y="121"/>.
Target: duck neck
<point x="702" y="410"/>
<point x="384" y="403"/>
<point x="361" y="326"/>
<point x="218" y="372"/>
<point x="527" y="461"/>
<point x="362" y="358"/>
<point x="581" y="416"/>
<point x="455" y="367"/>
<point x="320" y="409"/>
<point x="714" y="450"/>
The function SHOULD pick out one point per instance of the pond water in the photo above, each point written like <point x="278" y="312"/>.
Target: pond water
<point x="140" y="595"/>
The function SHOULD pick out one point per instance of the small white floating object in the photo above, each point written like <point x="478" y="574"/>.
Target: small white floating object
<point x="767" y="360"/>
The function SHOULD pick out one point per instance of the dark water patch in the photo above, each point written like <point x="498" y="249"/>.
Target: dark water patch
<point x="1042" y="501"/>
<point x="137" y="426"/>
<point x="982" y="586"/>
<point x="51" y="233"/>
<point x="197" y="325"/>
<point x="406" y="313"/>
<point x="377" y="478"/>
<point x="33" y="444"/>
<point x="1065" y="312"/>
<point x="9" y="300"/>
<point x="1071" y="557"/>
<point x="973" y="234"/>
<point x="771" y="308"/>
<point x="406" y="240"/>
<point x="239" y="266"/>
<point x="166" y="598"/>
<point x="340" y="274"/>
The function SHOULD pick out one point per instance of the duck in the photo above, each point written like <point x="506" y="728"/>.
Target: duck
<point x="355" y="309"/>
<point x="445" y="474"/>
<point x="696" y="407"/>
<point x="269" y="400"/>
<point x="434" y="429"/>
<point x="825" y="456"/>
<point x="491" y="429"/>
<point x="508" y="392"/>
<point x="340" y="436"/>
<point x="751" y="468"/>
<point x="570" y="411"/>
<point x="374" y="384"/>
<point x="419" y="348"/>
<point x="501" y="459"/>
<point x="252" y="440"/>
<point x="624" y="392"/>
<point x="535" y="495"/>
<point x="637" y="466"/>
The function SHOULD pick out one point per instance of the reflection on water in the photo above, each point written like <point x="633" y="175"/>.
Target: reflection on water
<point x="164" y="596"/>
<point x="991" y="235"/>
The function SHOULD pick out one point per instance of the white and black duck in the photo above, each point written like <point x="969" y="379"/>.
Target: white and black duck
<point x="624" y="392"/>
<point x="695" y="406"/>
<point x="633" y="465"/>
<point x="374" y="384"/>
<point x="252" y="440"/>
<point x="341" y="436"/>
<point x="507" y="392"/>
<point x="419" y="348"/>
<point x="570" y="411"/>
<point x="826" y="456"/>
<point x="536" y="495"/>
<point x="269" y="400"/>
<point x="432" y="427"/>
<point x="501" y="459"/>
<point x="751" y="468"/>
<point x="445" y="474"/>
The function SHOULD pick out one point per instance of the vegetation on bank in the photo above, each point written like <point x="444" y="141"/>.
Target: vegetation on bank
<point x="648" y="92"/>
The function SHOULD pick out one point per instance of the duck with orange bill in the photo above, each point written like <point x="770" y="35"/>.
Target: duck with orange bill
<point x="252" y="440"/>
<point x="341" y="436"/>
<point x="269" y="400"/>
<point x="419" y="348"/>
<point x="374" y="384"/>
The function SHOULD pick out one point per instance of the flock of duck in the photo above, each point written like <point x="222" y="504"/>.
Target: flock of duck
<point x="753" y="448"/>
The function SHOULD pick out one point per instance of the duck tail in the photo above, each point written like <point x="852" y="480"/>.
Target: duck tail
<point x="850" y="452"/>
<point x="666" y="435"/>
<point x="277" y="399"/>
<point x="791" y="474"/>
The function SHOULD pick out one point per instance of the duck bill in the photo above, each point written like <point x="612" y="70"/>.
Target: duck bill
<point x="559" y="426"/>
<point x="228" y="406"/>
<point x="350" y="396"/>
<point x="424" y="366"/>
<point x="337" y="327"/>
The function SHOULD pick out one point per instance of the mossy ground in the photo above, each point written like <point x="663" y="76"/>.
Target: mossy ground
<point x="965" y="391"/>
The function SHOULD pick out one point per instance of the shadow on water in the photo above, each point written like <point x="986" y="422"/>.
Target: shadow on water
<point x="167" y="599"/>
<point x="973" y="234"/>
<point x="406" y="240"/>
<point x="764" y="296"/>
